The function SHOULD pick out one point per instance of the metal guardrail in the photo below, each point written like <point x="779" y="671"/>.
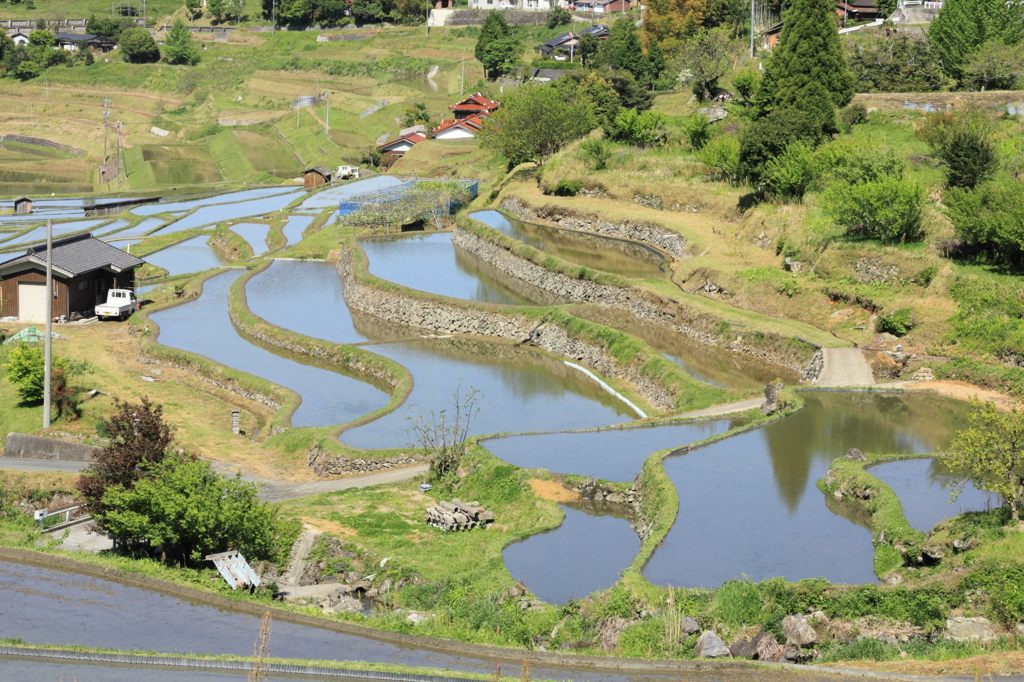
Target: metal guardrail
<point x="41" y="515"/>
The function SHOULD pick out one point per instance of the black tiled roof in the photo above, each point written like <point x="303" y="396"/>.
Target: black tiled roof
<point x="80" y="254"/>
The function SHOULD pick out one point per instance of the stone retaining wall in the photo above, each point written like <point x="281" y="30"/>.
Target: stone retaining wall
<point x="642" y="304"/>
<point x="234" y="388"/>
<point x="646" y="233"/>
<point x="400" y="308"/>
<point x="323" y="464"/>
<point x="36" y="447"/>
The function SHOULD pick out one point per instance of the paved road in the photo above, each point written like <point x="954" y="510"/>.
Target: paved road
<point x="41" y="464"/>
<point x="845" y="367"/>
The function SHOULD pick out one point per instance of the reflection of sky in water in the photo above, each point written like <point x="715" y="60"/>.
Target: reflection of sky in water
<point x="203" y="327"/>
<point x="331" y="197"/>
<point x="38" y="235"/>
<point x="923" y="486"/>
<point x="191" y="255"/>
<point x="614" y="455"/>
<point x="561" y="564"/>
<point x="271" y="295"/>
<point x="786" y="529"/>
<point x="91" y="672"/>
<point x="521" y="391"/>
<point x="186" y="205"/>
<point x="427" y="262"/>
<point x="140" y="229"/>
<point x="920" y="106"/>
<point x="112" y="227"/>
<point x="255" y="234"/>
<point x="296" y="225"/>
<point x="215" y="214"/>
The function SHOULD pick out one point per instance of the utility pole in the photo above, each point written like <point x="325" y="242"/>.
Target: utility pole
<point x="462" y="86"/>
<point x="273" y="18"/>
<point x="751" y="29"/>
<point x="327" y="115"/>
<point x="48" y="342"/>
<point x="106" y="115"/>
<point x="120" y="147"/>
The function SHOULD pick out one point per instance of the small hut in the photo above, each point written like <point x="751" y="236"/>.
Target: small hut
<point x="316" y="176"/>
<point x="22" y="205"/>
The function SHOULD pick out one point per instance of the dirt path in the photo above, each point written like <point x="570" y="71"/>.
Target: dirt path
<point x="845" y="367"/>
<point x="276" y="491"/>
<point x="146" y="114"/>
<point x="728" y="408"/>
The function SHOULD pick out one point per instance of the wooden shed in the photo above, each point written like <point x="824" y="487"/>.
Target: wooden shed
<point x="84" y="269"/>
<point x="316" y="176"/>
<point x="22" y="205"/>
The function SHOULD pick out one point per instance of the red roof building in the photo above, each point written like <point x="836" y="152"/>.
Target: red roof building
<point x="452" y="129"/>
<point x="474" y="105"/>
<point x="395" y="149"/>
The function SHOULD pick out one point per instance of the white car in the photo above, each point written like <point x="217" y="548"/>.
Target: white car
<point x="120" y="304"/>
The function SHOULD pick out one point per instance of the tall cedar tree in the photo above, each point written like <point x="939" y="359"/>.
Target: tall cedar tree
<point x="137" y="433"/>
<point x="179" y="48"/>
<point x="496" y="47"/>
<point x="807" y="69"/>
<point x="963" y="26"/>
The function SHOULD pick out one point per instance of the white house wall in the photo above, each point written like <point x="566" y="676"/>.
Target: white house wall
<point x="454" y="133"/>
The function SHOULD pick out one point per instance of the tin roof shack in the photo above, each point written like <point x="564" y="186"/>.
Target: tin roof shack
<point x="84" y="269"/>
<point x="115" y="207"/>
<point x="22" y="205"/>
<point x="316" y="176"/>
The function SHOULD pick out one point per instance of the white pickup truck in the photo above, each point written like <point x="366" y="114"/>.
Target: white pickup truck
<point x="121" y="303"/>
<point x="346" y="172"/>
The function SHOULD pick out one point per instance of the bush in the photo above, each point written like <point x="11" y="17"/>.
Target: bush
<point x="738" y="602"/>
<point x="565" y="188"/>
<point x="559" y="16"/>
<point x="639" y="129"/>
<point x="854" y="114"/>
<point x="597" y="150"/>
<point x="698" y="130"/>
<point x="746" y="83"/>
<point x="897" y="322"/>
<point x="963" y="141"/>
<point x="25" y="370"/>
<point x="722" y="154"/>
<point x="990" y="217"/>
<point x="789" y="175"/>
<point x="186" y="507"/>
<point x="27" y="70"/>
<point x="768" y="138"/>
<point x="889" y="209"/>
<point x="536" y="122"/>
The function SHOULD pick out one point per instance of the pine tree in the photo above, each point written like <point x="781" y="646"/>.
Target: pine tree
<point x="179" y="48"/>
<point x="808" y="52"/>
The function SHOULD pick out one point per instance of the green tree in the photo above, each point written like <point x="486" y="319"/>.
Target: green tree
<point x="994" y="66"/>
<point x="138" y="434"/>
<point x="27" y="70"/>
<point x="106" y="27"/>
<point x="194" y="9"/>
<point x="723" y="155"/>
<point x="536" y="122"/>
<point x="42" y="39"/>
<point x="587" y="49"/>
<point x="138" y="47"/>
<point x="641" y="129"/>
<point x="746" y="83"/>
<point x="698" y="130"/>
<point x="807" y="69"/>
<point x="888" y="209"/>
<point x="496" y="48"/>
<point x="621" y="50"/>
<point x="789" y="175"/>
<point x="185" y="506"/>
<point x="582" y="85"/>
<point x="179" y="48"/>
<point x="990" y="454"/>
<point x="415" y="114"/>
<point x="598" y="150"/>
<point x="990" y="217"/>
<point x="368" y="11"/>
<point x="896" y="63"/>
<point x="768" y="137"/>
<point x="25" y="368"/>
<point x="963" y="26"/>
<point x="219" y="8"/>
<point x="703" y="59"/>
<point x="963" y="141"/>
<point x="559" y="16"/>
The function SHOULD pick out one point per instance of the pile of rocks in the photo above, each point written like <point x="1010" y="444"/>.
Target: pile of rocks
<point x="457" y="515"/>
<point x="800" y="640"/>
<point x="324" y="465"/>
<point x="924" y="374"/>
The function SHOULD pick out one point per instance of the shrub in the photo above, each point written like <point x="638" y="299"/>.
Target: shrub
<point x="897" y="322"/>
<point x="25" y="370"/>
<point x="889" y="209"/>
<point x="138" y="47"/>
<point x="597" y="150"/>
<point x="738" y="602"/>
<point x="768" y="138"/>
<point x="27" y="70"/>
<point x="698" y="130"/>
<point x="565" y="188"/>
<point x="789" y="175"/>
<point x="640" y="129"/>
<point x="722" y="154"/>
<point x="925" y="277"/>
<point x="991" y="217"/>
<point x="536" y="122"/>
<point x="854" y="114"/>
<point x="559" y="16"/>
<point x="963" y="141"/>
<point x="746" y="83"/>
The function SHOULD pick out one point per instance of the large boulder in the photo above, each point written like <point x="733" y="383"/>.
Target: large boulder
<point x="688" y="626"/>
<point x="767" y="646"/>
<point x="771" y="394"/>
<point x="710" y="645"/>
<point x="963" y="629"/>
<point x="349" y="604"/>
<point x="799" y="631"/>
<point x="743" y="649"/>
<point x="855" y="455"/>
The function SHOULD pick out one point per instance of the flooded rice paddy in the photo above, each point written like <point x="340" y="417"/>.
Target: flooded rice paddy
<point x="204" y="327"/>
<point x="618" y="256"/>
<point x="191" y="255"/>
<point x="255" y="234"/>
<point x="210" y="215"/>
<point x="296" y="225"/>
